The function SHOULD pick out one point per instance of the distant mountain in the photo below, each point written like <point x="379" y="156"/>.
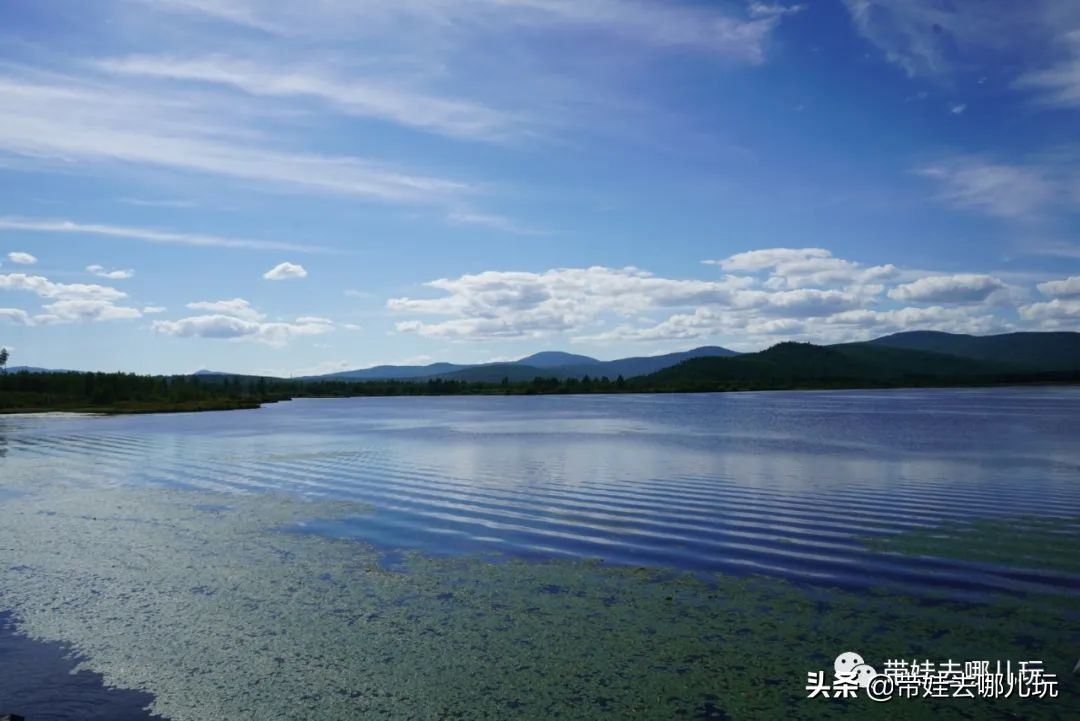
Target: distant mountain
<point x="643" y="365"/>
<point x="495" y="372"/>
<point x="793" y="364"/>
<point x="390" y="372"/>
<point x="555" y="359"/>
<point x="547" y="364"/>
<point x="1054" y="351"/>
<point x="34" y="369"/>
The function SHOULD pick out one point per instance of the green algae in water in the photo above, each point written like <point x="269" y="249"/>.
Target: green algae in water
<point x="1023" y="542"/>
<point x="195" y="598"/>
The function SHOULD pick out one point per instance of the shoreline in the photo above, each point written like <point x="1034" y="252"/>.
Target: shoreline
<point x="253" y="404"/>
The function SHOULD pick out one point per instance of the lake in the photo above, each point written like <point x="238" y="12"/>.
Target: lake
<point x="821" y="492"/>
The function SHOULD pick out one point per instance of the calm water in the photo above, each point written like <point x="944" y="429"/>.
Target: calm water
<point x="776" y="483"/>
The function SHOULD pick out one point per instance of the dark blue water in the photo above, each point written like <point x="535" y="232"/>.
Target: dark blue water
<point x="778" y="483"/>
<point x="38" y="683"/>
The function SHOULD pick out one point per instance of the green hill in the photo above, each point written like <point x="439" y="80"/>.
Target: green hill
<point x="1058" y="351"/>
<point x="806" y="365"/>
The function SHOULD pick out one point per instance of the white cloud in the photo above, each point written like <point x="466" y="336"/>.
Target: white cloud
<point x="671" y="25"/>
<point x="352" y="94"/>
<point x="100" y="272"/>
<point x="39" y="225"/>
<point x="773" y="294"/>
<point x="804" y="267"/>
<point x="285" y="271"/>
<point x="47" y="289"/>
<point x="1057" y="84"/>
<point x="236" y="307"/>
<point x="15" y="316"/>
<point x="154" y="309"/>
<point x="929" y="37"/>
<point x="230" y="327"/>
<point x="21" y="258"/>
<point x="114" y="124"/>
<point x="491" y="221"/>
<point x="755" y="260"/>
<point x="1000" y="189"/>
<point x="1057" y="314"/>
<point x="865" y="322"/>
<point x="510" y="304"/>
<point x="74" y="310"/>
<point x="237" y="319"/>
<point x="498" y="304"/>
<point x="71" y="302"/>
<point x="1066" y="288"/>
<point x="959" y="288"/>
<point x="760" y="9"/>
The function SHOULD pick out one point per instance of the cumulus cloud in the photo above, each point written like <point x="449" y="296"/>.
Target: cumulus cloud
<point x="804" y="267"/>
<point x="1057" y="314"/>
<point x="236" y="307"/>
<point x="1066" y="288"/>
<point x="497" y="304"/>
<point x="74" y="310"/>
<point x="766" y="295"/>
<point x="152" y="309"/>
<point x="15" y="316"/>
<point x="47" y="289"/>
<point x="285" y="271"/>
<point x="70" y="302"/>
<point x="237" y="319"/>
<point x="233" y="328"/>
<point x="21" y="258"/>
<point x="959" y="288"/>
<point x="101" y="272"/>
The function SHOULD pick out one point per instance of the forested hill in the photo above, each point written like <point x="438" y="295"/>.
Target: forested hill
<point x="1048" y="351"/>
<point x="799" y="365"/>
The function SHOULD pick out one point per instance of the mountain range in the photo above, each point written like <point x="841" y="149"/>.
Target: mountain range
<point x="928" y="354"/>
<point x="548" y="364"/>
<point x="908" y="357"/>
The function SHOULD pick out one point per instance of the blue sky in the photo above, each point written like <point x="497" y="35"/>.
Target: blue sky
<point x="275" y="187"/>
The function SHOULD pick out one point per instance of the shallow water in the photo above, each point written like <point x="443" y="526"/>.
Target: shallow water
<point x="150" y="546"/>
<point x="785" y="484"/>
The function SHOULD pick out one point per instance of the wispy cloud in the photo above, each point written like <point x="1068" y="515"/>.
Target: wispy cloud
<point x="1057" y="85"/>
<point x="679" y="25"/>
<point x="1008" y="190"/>
<point x="80" y="122"/>
<point x="354" y="95"/>
<point x="491" y="221"/>
<point x="933" y="38"/>
<point x="148" y="235"/>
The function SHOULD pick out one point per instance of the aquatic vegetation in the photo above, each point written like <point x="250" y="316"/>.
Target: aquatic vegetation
<point x="199" y="599"/>
<point x="1035" y="543"/>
